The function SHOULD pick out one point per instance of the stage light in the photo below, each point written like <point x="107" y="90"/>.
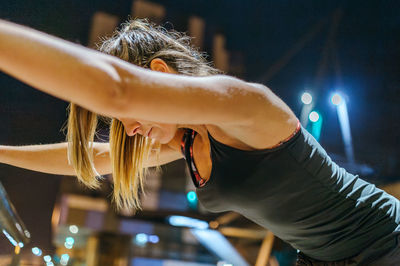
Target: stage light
<point x="154" y="239"/>
<point x="336" y="99"/>
<point x="64" y="259"/>
<point x="141" y="239"/>
<point x="36" y="251"/>
<point x="314" y="116"/>
<point x="10" y="238"/>
<point x="73" y="229"/>
<point x="69" y="240"/>
<point x="191" y="196"/>
<point x="21" y="245"/>
<point x="68" y="246"/>
<point x="47" y="258"/>
<point x="176" y="220"/>
<point x="49" y="263"/>
<point x="306" y="98"/>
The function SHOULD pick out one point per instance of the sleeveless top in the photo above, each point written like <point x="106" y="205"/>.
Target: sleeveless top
<point x="297" y="192"/>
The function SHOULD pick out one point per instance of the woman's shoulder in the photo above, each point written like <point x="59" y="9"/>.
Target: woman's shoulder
<point x="224" y="137"/>
<point x="256" y="136"/>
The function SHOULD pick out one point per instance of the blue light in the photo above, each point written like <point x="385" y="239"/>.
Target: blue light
<point x="64" y="259"/>
<point x="47" y="258"/>
<point x="141" y="239"/>
<point x="21" y="245"/>
<point x="36" y="251"/>
<point x="154" y="239"/>
<point x="187" y="222"/>
<point x="68" y="246"/>
<point x="69" y="240"/>
<point x="191" y="196"/>
<point x="10" y="238"/>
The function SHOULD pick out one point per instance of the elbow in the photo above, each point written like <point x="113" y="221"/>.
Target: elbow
<point x="112" y="97"/>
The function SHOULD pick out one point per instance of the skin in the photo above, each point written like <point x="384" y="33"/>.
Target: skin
<point x="239" y="114"/>
<point x="170" y="135"/>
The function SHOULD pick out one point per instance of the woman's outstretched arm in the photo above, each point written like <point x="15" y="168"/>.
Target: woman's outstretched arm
<point x="113" y="87"/>
<point x="52" y="158"/>
<point x="57" y="67"/>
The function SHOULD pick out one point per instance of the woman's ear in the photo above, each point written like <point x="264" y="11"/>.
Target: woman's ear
<point x="157" y="64"/>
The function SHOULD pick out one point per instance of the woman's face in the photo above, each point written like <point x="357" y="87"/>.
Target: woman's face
<point x="164" y="133"/>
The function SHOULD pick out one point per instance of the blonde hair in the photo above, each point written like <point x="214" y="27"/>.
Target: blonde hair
<point x="138" y="42"/>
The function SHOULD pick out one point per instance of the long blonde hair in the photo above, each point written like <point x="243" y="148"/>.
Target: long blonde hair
<point x="137" y="41"/>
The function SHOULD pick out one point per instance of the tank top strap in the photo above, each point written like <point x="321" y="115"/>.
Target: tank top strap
<point x="187" y="151"/>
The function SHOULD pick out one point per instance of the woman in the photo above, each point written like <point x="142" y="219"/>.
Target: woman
<point x="245" y="148"/>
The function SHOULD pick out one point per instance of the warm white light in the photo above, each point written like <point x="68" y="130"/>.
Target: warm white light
<point x="336" y="99"/>
<point x="306" y="98"/>
<point x="73" y="229"/>
<point x="314" y="116"/>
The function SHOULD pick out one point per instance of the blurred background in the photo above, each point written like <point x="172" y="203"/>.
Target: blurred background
<point x="335" y="63"/>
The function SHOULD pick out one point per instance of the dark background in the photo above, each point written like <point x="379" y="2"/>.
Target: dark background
<point x="364" y="64"/>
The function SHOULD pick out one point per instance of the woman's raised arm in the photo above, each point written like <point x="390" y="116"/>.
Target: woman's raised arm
<point x="58" y="67"/>
<point x="112" y="87"/>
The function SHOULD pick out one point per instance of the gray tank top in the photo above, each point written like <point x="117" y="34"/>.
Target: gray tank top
<point x="303" y="197"/>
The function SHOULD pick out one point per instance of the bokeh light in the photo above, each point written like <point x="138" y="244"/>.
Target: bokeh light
<point x="306" y="98"/>
<point x="314" y="116"/>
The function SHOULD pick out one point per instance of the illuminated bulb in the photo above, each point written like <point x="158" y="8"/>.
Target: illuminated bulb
<point x="69" y="240"/>
<point x="214" y="224"/>
<point x="47" y="258"/>
<point x="68" y="246"/>
<point x="306" y="98"/>
<point x="64" y="259"/>
<point x="191" y="196"/>
<point x="36" y="251"/>
<point x="177" y="220"/>
<point x="141" y="239"/>
<point x="154" y="239"/>
<point x="314" y="116"/>
<point x="336" y="99"/>
<point x="73" y="229"/>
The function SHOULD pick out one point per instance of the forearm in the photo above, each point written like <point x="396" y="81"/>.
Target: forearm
<point x="63" y="69"/>
<point x="51" y="158"/>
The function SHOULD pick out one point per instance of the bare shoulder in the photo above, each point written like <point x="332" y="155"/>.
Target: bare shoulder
<point x="274" y="123"/>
